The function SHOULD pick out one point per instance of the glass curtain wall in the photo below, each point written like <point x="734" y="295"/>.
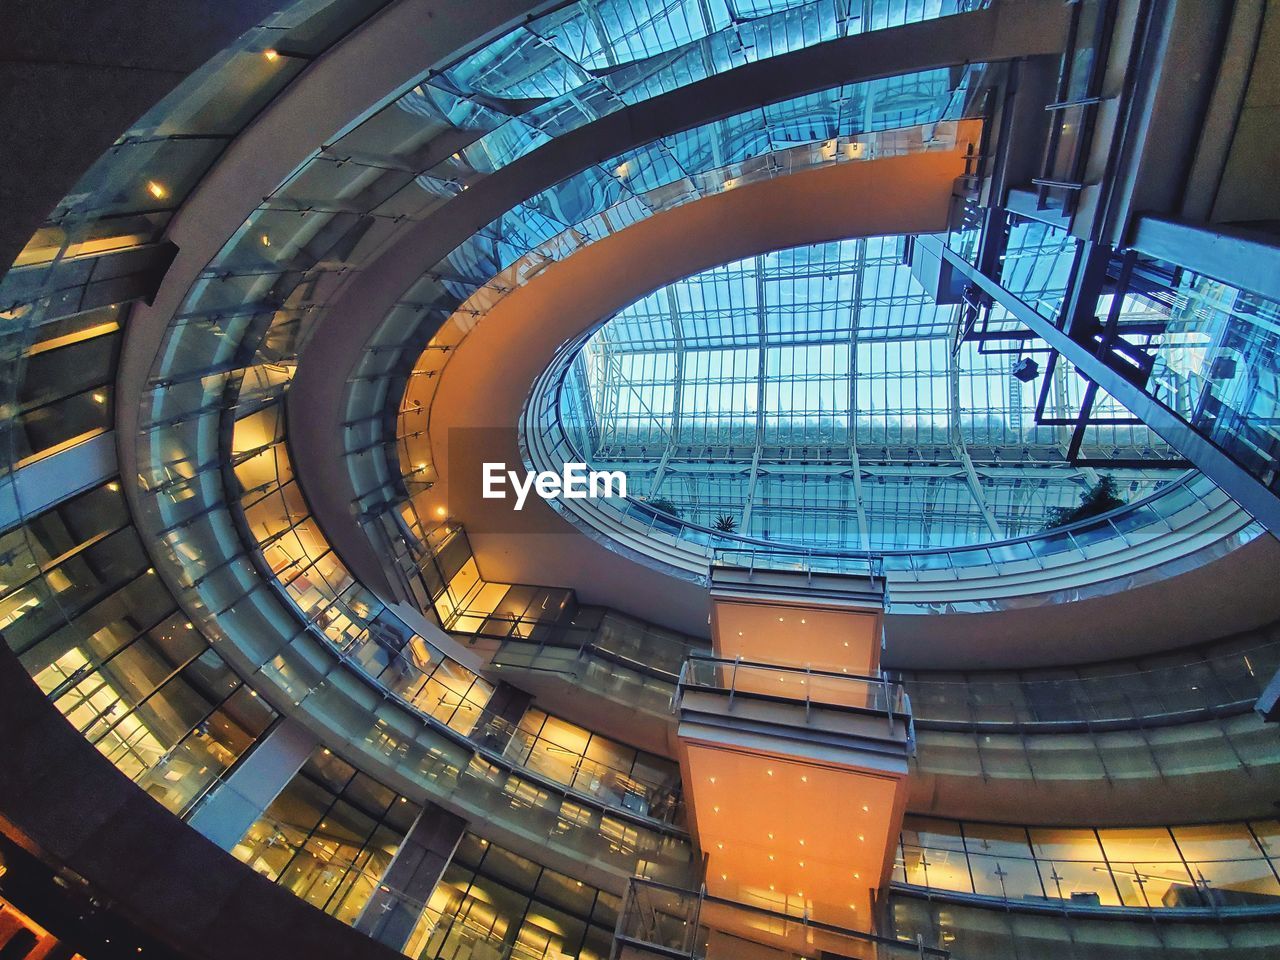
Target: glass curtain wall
<point x="495" y="904"/>
<point x="329" y="836"/>
<point x="82" y="608"/>
<point x="1207" y="867"/>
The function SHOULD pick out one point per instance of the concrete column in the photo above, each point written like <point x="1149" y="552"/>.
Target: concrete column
<point x="392" y="912"/>
<point x="232" y="809"/>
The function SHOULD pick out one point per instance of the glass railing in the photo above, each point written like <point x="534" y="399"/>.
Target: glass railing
<point x="976" y="932"/>
<point x="603" y="654"/>
<point x="658" y="920"/>
<point x="1204" y="869"/>
<point x="1207" y="684"/>
<point x="632" y="684"/>
<point x="813" y="688"/>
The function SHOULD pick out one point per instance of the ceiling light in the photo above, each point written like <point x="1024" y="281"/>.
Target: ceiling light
<point x="861" y="838"/>
<point x="866" y="808"/>
<point x="271" y="56"/>
<point x="157" y="190"/>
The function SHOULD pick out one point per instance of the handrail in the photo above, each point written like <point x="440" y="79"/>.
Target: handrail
<point x="1214" y="685"/>
<point x="806" y="669"/>
<point x="700" y="897"/>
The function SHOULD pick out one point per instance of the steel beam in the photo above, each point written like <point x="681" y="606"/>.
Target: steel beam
<point x="1232" y="478"/>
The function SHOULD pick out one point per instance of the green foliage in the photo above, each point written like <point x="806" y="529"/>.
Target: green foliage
<point x="1098" y="499"/>
<point x="666" y="506"/>
<point x="726" y="523"/>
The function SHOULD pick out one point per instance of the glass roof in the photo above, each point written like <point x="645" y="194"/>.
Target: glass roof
<point x="817" y="396"/>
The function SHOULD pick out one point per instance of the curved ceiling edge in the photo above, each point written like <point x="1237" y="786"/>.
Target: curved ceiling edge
<point x="326" y="361"/>
<point x="808" y="207"/>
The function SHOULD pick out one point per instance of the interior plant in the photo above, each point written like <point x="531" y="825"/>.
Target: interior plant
<point x="1095" y="501"/>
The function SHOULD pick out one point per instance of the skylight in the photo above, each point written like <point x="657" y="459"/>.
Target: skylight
<point x="816" y="396"/>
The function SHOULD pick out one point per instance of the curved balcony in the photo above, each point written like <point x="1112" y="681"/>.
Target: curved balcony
<point x="1169" y="735"/>
<point x="1183" y="524"/>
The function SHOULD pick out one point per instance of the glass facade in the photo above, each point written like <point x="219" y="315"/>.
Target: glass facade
<point x="329" y="836"/>
<point x="492" y="902"/>
<point x="816" y="397"/>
